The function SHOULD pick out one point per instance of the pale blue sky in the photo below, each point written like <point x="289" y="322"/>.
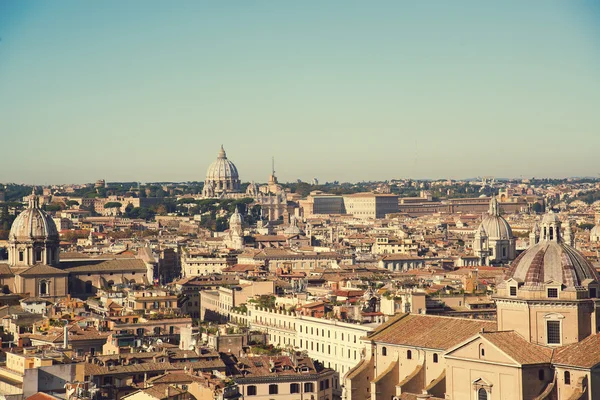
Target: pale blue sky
<point x="346" y="90"/>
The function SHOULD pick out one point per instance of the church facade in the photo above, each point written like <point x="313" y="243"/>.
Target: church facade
<point x="34" y="266"/>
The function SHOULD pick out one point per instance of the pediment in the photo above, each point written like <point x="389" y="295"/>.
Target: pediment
<point x="471" y="351"/>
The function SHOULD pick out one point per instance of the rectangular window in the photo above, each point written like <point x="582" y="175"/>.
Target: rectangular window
<point x="553" y="332"/>
<point x="294" y="388"/>
<point x="513" y="290"/>
<point x="593" y="292"/>
<point x="553" y="293"/>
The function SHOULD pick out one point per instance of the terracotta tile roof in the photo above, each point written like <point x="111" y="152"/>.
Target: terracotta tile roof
<point x="205" y="365"/>
<point x="162" y="391"/>
<point x="585" y="354"/>
<point x="517" y="348"/>
<point x="41" y="396"/>
<point x="5" y="270"/>
<point x="429" y="331"/>
<point x="42" y="269"/>
<point x="130" y="264"/>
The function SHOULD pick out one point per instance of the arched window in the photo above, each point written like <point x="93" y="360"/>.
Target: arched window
<point x="435" y="357"/>
<point x="384" y="351"/>
<point x="482" y="394"/>
<point x="43" y="288"/>
<point x="38" y="255"/>
<point x="567" y="378"/>
<point x="21" y="255"/>
<point x="409" y="355"/>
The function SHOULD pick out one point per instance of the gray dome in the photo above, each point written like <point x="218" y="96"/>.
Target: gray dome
<point x="33" y="224"/>
<point x="494" y="225"/>
<point x="222" y="169"/>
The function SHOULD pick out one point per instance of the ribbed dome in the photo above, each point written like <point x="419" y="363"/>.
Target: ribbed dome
<point x="551" y="261"/>
<point x="33" y="224"/>
<point x="222" y="169"/>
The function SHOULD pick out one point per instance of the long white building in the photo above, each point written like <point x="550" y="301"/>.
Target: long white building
<point x="334" y="343"/>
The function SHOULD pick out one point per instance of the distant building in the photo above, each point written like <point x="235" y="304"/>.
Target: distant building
<point x="221" y="177"/>
<point x="370" y="205"/>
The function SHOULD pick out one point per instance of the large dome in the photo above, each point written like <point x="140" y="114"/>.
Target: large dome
<point x="552" y="259"/>
<point x="221" y="176"/>
<point x="33" y="224"/>
<point x="222" y="168"/>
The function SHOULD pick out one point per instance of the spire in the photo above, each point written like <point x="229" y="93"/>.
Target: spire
<point x="273" y="166"/>
<point x="222" y="153"/>
<point x="494" y="211"/>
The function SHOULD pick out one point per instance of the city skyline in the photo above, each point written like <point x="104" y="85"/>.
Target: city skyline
<point x="337" y="91"/>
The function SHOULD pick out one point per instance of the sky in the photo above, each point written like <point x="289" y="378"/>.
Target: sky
<point x="337" y="90"/>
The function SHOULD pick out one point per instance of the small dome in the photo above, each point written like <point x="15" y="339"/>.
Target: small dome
<point x="550" y="218"/>
<point x="496" y="227"/>
<point x="33" y="224"/>
<point x="222" y="169"/>
<point x="236" y="219"/>
<point x="293" y="229"/>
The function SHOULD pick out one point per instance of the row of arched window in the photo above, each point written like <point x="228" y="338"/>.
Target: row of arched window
<point x="409" y="354"/>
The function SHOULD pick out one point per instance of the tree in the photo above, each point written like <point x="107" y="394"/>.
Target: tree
<point x="113" y="204"/>
<point x="52" y="207"/>
<point x="72" y="203"/>
<point x="537" y="208"/>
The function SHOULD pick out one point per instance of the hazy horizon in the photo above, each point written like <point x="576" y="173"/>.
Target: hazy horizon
<point x="339" y="90"/>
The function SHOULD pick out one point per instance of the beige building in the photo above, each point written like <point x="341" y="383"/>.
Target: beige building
<point x="202" y="262"/>
<point x="283" y="378"/>
<point x="370" y="205"/>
